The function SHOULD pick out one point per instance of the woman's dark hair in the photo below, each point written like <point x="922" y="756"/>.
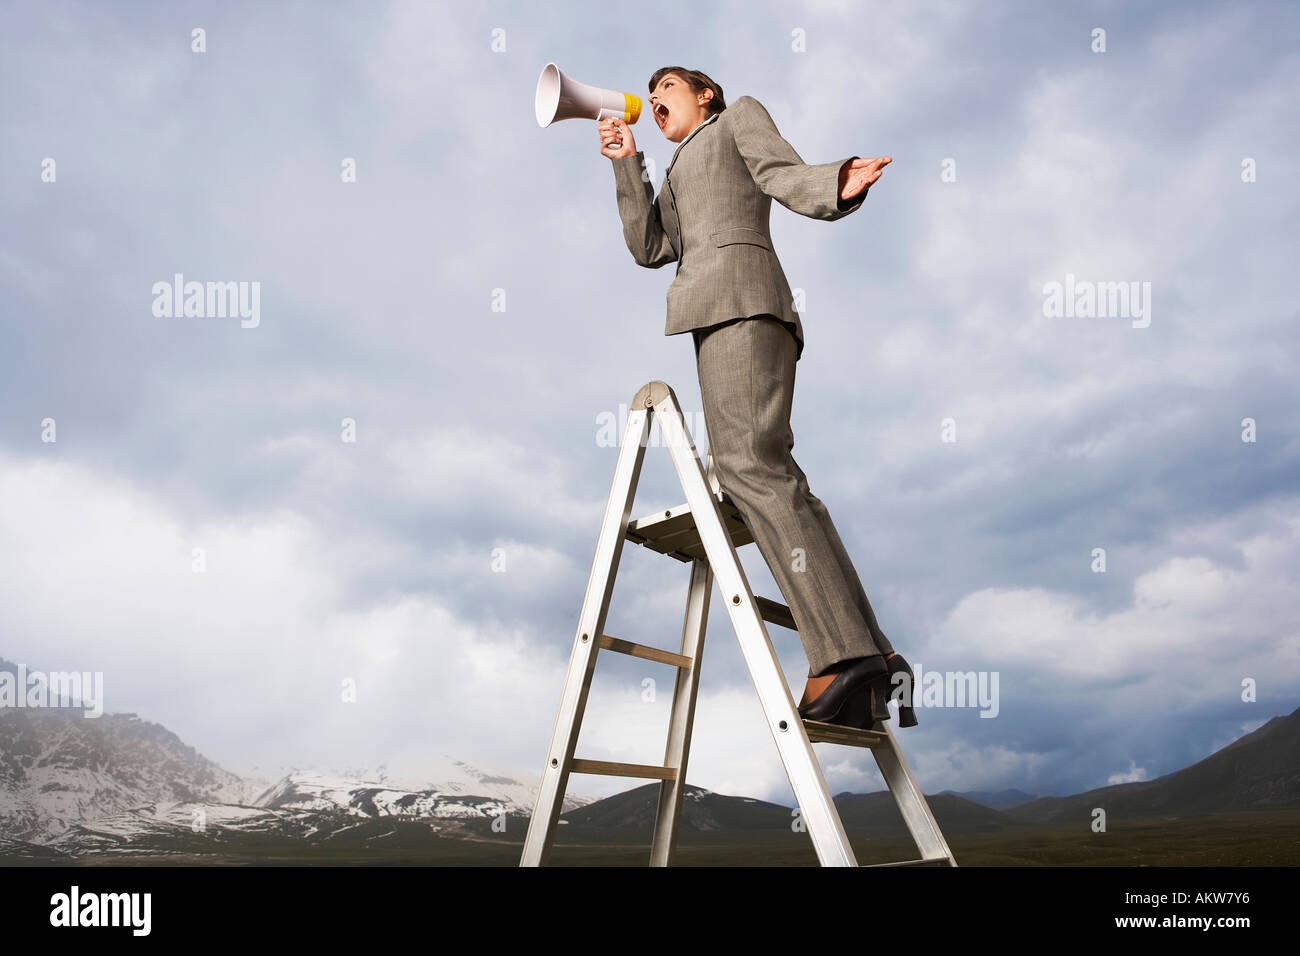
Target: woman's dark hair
<point x="697" y="81"/>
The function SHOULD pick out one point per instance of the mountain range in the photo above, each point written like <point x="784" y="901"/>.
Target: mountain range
<point x="118" y="784"/>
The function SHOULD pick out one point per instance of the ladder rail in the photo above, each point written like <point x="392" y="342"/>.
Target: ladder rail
<point x="818" y="811"/>
<point x="682" y="720"/>
<point x="911" y="801"/>
<point x="591" y="625"/>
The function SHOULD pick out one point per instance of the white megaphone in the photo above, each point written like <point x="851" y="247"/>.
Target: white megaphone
<point x="560" y="97"/>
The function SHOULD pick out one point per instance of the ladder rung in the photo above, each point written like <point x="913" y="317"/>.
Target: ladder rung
<point x="672" y="531"/>
<point x="641" y="650"/>
<point x="774" y="612"/>
<point x="938" y="861"/>
<point x="609" y="768"/>
<point x="819" y="732"/>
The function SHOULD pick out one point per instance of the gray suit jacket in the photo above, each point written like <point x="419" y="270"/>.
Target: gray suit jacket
<point x="723" y="178"/>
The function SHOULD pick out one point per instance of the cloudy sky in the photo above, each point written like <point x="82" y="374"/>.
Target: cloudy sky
<point x="1022" y="155"/>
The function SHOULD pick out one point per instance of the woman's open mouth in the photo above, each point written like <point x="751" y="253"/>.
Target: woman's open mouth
<point x="661" y="115"/>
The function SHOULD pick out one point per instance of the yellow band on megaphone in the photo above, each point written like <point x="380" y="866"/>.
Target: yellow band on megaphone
<point x="631" y="108"/>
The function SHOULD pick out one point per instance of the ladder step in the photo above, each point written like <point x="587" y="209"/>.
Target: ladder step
<point x="938" y="861"/>
<point x="774" y="612"/>
<point x="819" y="732"/>
<point x="673" y="531"/>
<point x="641" y="650"/>
<point x="608" y="768"/>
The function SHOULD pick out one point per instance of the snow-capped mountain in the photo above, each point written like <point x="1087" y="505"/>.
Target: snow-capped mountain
<point x="117" y="782"/>
<point x="58" y="768"/>
<point x="461" y="791"/>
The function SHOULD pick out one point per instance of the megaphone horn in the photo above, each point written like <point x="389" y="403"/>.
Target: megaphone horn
<point x="561" y="97"/>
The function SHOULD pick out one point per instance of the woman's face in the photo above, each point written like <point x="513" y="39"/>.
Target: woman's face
<point x="676" y="108"/>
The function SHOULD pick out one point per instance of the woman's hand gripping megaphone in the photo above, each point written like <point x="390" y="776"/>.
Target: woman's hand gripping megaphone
<point x="616" y="138"/>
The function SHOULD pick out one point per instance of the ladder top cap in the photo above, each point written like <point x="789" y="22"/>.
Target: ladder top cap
<point x="652" y="393"/>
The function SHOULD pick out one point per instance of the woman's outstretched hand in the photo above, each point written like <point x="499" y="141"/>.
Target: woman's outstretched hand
<point x="615" y="138"/>
<point x="858" y="174"/>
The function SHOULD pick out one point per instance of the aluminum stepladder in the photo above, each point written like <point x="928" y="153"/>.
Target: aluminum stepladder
<point x="705" y="531"/>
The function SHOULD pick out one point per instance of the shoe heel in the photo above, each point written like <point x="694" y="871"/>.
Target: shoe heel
<point x="868" y="708"/>
<point x="906" y="711"/>
<point x="879" y="704"/>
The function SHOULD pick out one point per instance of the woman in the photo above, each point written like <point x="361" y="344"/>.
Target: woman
<point x="731" y="293"/>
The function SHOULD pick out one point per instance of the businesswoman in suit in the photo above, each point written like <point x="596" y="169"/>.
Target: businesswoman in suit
<point x="731" y="294"/>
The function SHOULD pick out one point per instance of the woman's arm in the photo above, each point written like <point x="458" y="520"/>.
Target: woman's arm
<point x="812" y="191"/>
<point x="639" y="209"/>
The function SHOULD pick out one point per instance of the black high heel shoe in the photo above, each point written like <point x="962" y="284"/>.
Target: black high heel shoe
<point x="854" y="683"/>
<point x="869" y="709"/>
<point x="906" y="713"/>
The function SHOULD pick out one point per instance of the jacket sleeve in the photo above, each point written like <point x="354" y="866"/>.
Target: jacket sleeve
<point x="812" y="191"/>
<point x="642" y="227"/>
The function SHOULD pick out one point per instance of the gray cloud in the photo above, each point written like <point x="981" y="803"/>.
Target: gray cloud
<point x="477" y="428"/>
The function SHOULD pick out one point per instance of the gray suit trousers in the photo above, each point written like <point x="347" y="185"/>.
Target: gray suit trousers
<point x="746" y="369"/>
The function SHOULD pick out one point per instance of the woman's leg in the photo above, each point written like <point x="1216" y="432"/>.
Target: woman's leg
<point x="746" y="371"/>
<point x="846" y="564"/>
